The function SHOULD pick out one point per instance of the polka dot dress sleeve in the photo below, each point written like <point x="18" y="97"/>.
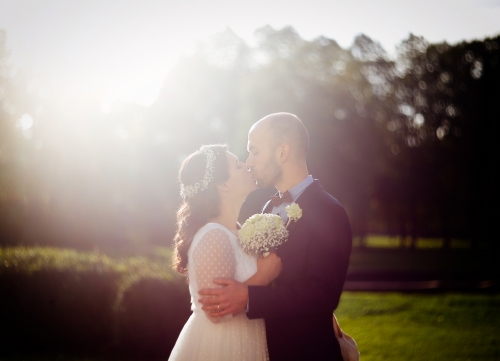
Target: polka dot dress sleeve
<point x="214" y="257"/>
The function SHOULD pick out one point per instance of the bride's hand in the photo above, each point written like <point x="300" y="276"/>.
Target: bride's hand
<point x="269" y="267"/>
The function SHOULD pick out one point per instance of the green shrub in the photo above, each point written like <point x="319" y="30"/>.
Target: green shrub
<point x="58" y="310"/>
<point x="151" y="316"/>
<point x="65" y="300"/>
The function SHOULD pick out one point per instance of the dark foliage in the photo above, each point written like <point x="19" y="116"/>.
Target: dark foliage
<point x="151" y="317"/>
<point x="83" y="303"/>
<point x="52" y="310"/>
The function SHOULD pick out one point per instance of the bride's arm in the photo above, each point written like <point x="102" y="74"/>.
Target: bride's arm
<point x="268" y="269"/>
<point x="213" y="257"/>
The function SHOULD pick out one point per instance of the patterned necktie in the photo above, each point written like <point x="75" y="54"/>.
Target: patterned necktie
<point x="285" y="198"/>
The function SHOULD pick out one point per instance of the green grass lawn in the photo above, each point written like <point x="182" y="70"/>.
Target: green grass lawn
<point x="400" y="327"/>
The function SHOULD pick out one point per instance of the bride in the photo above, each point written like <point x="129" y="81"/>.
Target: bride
<point x="214" y="185"/>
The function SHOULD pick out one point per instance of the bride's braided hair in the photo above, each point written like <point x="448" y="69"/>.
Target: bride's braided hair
<point x="202" y="205"/>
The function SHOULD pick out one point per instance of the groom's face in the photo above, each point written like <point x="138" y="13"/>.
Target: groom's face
<point x="262" y="158"/>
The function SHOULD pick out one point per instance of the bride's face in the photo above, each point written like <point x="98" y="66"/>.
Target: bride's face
<point x="240" y="182"/>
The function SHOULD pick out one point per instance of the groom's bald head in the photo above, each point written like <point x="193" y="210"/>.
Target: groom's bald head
<point x="285" y="128"/>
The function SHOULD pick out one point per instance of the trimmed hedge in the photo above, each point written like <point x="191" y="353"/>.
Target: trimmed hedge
<point x="152" y="316"/>
<point x="59" y="300"/>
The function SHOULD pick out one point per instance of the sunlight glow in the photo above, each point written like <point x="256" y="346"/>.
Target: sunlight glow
<point x="25" y="122"/>
<point x="123" y="51"/>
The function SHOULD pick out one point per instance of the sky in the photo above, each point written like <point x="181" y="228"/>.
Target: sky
<point x="123" y="49"/>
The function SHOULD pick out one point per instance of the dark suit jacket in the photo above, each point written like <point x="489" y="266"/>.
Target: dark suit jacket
<point x="298" y="310"/>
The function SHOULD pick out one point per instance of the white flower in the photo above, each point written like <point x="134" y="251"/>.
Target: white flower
<point x="262" y="233"/>
<point x="247" y="231"/>
<point x="255" y="218"/>
<point x="262" y="224"/>
<point x="294" y="212"/>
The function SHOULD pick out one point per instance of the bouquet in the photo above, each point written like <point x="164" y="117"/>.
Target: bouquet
<point x="263" y="233"/>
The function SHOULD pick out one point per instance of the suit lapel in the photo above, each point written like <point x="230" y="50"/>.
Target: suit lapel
<point x="304" y="201"/>
<point x="267" y="207"/>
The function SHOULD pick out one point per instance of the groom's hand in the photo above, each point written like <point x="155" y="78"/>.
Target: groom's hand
<point x="230" y="299"/>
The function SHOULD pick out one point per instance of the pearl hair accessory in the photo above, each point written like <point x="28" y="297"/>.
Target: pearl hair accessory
<point x="191" y="190"/>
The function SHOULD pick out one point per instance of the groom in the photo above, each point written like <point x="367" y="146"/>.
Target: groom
<point x="298" y="310"/>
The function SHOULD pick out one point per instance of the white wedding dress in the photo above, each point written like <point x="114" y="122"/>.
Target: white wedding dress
<point x="216" y="252"/>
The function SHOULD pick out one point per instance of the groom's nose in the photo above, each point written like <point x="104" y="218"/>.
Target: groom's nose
<point x="249" y="161"/>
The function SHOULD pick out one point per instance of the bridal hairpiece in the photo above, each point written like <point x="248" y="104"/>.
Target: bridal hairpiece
<point x="191" y="190"/>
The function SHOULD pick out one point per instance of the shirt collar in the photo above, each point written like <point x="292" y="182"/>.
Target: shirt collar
<point x="296" y="191"/>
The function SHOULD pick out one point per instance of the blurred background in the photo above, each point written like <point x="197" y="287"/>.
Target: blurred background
<point x="101" y="101"/>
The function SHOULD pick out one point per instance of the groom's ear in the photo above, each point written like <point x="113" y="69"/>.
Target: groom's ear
<point x="283" y="152"/>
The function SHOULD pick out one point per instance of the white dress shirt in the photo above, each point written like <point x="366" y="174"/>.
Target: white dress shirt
<point x="295" y="192"/>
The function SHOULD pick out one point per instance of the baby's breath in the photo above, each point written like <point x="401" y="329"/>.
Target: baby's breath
<point x="262" y="233"/>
